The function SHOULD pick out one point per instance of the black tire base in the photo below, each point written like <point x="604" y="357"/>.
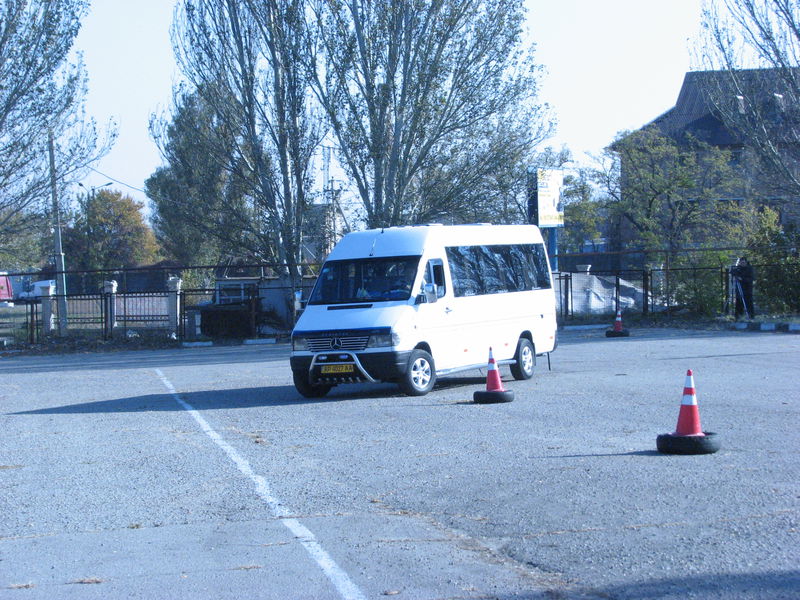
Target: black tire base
<point x="612" y="333"/>
<point x="669" y="443"/>
<point x="492" y="397"/>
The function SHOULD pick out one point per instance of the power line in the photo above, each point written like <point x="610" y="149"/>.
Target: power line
<point x="133" y="187"/>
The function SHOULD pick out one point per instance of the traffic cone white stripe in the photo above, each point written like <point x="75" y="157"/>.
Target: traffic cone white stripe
<point x="689" y="393"/>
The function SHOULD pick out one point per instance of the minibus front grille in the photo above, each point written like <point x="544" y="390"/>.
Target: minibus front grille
<point x="326" y="344"/>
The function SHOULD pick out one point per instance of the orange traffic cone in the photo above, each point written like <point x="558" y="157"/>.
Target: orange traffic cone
<point x="688" y="437"/>
<point x="493" y="381"/>
<point x="689" y="415"/>
<point x="494" y="386"/>
<point x="618" y="330"/>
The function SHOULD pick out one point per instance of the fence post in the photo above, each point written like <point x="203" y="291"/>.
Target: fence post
<point x="109" y="308"/>
<point x="725" y="282"/>
<point x="646" y="292"/>
<point x="32" y="318"/>
<point x="48" y="315"/>
<point x="173" y="306"/>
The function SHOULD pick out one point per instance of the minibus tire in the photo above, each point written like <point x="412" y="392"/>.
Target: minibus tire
<point x="525" y="360"/>
<point x="420" y="375"/>
<point x="308" y="390"/>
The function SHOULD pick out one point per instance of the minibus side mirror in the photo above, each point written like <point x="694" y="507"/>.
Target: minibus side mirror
<point x="430" y="292"/>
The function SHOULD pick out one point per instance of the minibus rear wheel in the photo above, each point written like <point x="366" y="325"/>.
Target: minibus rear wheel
<point x="525" y="360"/>
<point x="308" y="390"/>
<point x="420" y="376"/>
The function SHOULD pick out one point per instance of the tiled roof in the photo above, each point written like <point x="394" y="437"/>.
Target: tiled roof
<point x="694" y="112"/>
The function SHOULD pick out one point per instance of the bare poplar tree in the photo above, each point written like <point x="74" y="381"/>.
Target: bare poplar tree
<point x="411" y="87"/>
<point x="755" y="47"/>
<point x="241" y="58"/>
<point x="40" y="93"/>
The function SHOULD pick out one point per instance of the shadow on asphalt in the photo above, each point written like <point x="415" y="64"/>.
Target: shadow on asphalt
<point x="145" y="359"/>
<point x="258" y="397"/>
<point x="772" y="584"/>
<point x="205" y="400"/>
<point x="634" y="453"/>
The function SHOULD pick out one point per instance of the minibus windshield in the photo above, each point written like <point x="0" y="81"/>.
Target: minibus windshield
<point x="365" y="280"/>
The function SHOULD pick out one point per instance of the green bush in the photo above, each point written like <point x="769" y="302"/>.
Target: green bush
<point x="697" y="281"/>
<point x="774" y="255"/>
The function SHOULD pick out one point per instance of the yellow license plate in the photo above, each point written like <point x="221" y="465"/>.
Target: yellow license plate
<point x="336" y="369"/>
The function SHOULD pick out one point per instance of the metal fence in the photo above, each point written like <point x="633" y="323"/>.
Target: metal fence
<point x="143" y="310"/>
<point x="581" y="293"/>
<point x="88" y="315"/>
<point x="84" y="311"/>
<point x="659" y="291"/>
<point x="584" y="294"/>
<point x="650" y="291"/>
<point x="19" y="324"/>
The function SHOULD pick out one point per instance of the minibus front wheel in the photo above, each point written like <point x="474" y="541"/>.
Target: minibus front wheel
<point x="525" y="360"/>
<point x="420" y="376"/>
<point x="307" y="389"/>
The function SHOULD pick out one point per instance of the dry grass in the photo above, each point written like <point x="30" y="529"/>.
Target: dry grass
<point x="88" y="581"/>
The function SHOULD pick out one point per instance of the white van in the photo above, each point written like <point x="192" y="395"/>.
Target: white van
<point x="407" y="304"/>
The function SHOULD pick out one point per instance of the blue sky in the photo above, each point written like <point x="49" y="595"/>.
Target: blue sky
<point x="610" y="65"/>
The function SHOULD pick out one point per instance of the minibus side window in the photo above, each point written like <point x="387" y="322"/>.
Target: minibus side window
<point x="434" y="273"/>
<point x="492" y="273"/>
<point x="438" y="278"/>
<point x="497" y="269"/>
<point x="539" y="267"/>
<point x="464" y="270"/>
<point x="516" y="264"/>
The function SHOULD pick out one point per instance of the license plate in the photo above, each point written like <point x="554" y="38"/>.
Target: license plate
<point x="336" y="369"/>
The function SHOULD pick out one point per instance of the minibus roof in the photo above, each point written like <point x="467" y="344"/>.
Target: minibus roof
<point x="413" y="240"/>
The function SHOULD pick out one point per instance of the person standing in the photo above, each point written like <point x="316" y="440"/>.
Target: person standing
<point x="743" y="276"/>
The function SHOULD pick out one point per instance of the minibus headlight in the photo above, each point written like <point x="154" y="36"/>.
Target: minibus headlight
<point x="299" y="343"/>
<point x="382" y="340"/>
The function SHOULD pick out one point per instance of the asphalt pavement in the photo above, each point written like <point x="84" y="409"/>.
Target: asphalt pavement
<point x="200" y="473"/>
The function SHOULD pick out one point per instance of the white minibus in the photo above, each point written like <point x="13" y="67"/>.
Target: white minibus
<point x="409" y="304"/>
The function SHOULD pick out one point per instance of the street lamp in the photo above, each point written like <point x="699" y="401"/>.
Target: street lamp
<point x="91" y="189"/>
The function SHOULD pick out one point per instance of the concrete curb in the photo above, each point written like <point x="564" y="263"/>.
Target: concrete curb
<point x="739" y="326"/>
<point x="248" y="342"/>
<point x="763" y="326"/>
<point x="585" y="327"/>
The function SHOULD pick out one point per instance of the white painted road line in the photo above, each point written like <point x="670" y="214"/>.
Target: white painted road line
<point x="346" y="588"/>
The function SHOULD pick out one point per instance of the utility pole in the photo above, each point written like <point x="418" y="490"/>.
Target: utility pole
<point x="61" y="277"/>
